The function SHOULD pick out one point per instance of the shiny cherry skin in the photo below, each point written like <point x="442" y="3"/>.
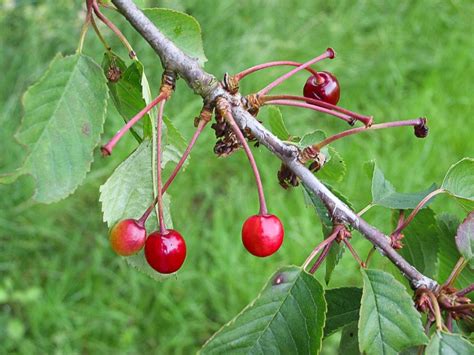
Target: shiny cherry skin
<point x="127" y="237"/>
<point x="325" y="87"/>
<point x="262" y="235"/>
<point x="165" y="252"/>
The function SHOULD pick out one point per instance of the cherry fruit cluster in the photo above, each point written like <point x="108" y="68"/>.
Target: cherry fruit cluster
<point x="263" y="233"/>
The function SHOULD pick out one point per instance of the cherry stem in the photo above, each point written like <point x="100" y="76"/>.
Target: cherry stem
<point x="159" y="129"/>
<point x="461" y="263"/>
<point x="407" y="221"/>
<point x="449" y="322"/>
<point x="465" y="291"/>
<point x="323" y="244"/>
<point x="99" y="34"/>
<point x="365" y="209"/>
<point x="366" y="120"/>
<point x="256" y="68"/>
<point x="329" y="53"/>
<point x="85" y="26"/>
<point x="436" y="310"/>
<point x="114" y="29"/>
<point x="200" y="127"/>
<point x="461" y="307"/>
<point x="342" y="116"/>
<point x="263" y="206"/>
<point x="352" y="131"/>
<point x="320" y="259"/>
<point x="354" y="253"/>
<point x="369" y="256"/>
<point x="107" y="148"/>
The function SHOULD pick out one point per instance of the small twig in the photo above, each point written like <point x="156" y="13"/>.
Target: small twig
<point x="354" y="253"/>
<point x="436" y="310"/>
<point x="329" y="53"/>
<point x="365" y="209"/>
<point x="342" y="116"/>
<point x="367" y="120"/>
<point x="374" y="127"/>
<point x="107" y="148"/>
<point x="323" y="244"/>
<point x="461" y="263"/>
<point x="321" y="258"/>
<point x="417" y="209"/>
<point x="114" y="29"/>
<point x="256" y="68"/>
<point x="465" y="291"/>
<point x="223" y="107"/>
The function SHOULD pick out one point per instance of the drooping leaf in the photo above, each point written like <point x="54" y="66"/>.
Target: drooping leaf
<point x="421" y="244"/>
<point x="127" y="91"/>
<point x="349" y="344"/>
<point x="459" y="182"/>
<point x="337" y="249"/>
<point x="127" y="194"/>
<point x="448" y="254"/>
<point x="442" y="343"/>
<point x="63" y="120"/>
<point x="343" y="308"/>
<point x="287" y="317"/>
<point x="276" y="123"/>
<point x="465" y="238"/>
<point x="183" y="30"/>
<point x="384" y="193"/>
<point x="388" y="321"/>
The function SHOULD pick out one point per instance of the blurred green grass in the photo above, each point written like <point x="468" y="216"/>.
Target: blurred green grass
<point x="61" y="288"/>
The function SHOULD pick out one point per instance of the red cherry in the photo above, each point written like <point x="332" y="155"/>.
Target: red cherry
<point x="325" y="87"/>
<point x="165" y="252"/>
<point x="262" y="235"/>
<point x="127" y="237"/>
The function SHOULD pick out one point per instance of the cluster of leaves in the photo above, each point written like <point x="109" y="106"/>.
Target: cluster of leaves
<point x="62" y="125"/>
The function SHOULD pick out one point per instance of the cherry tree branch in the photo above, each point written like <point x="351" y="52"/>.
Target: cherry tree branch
<point x="209" y="88"/>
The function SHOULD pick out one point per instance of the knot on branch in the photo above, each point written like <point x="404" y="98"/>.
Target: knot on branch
<point x="168" y="82"/>
<point x="252" y="104"/>
<point x="231" y="83"/>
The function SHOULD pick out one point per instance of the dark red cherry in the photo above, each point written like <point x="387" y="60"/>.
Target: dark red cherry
<point x="325" y="87"/>
<point x="262" y="235"/>
<point x="127" y="237"/>
<point x="165" y="252"/>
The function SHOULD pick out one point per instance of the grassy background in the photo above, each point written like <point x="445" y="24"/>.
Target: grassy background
<point x="62" y="290"/>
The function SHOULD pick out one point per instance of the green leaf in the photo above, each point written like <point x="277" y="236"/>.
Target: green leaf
<point x="442" y="343"/>
<point x="448" y="254"/>
<point x="127" y="194"/>
<point x="276" y="123"/>
<point x="337" y="249"/>
<point x="459" y="181"/>
<point x="334" y="170"/>
<point x="183" y="30"/>
<point x="421" y="242"/>
<point x="127" y="92"/>
<point x="349" y="344"/>
<point x="465" y="238"/>
<point x="343" y="308"/>
<point x="312" y="138"/>
<point x="287" y="317"/>
<point x="174" y="142"/>
<point x="384" y="193"/>
<point x="62" y="124"/>
<point x="388" y="321"/>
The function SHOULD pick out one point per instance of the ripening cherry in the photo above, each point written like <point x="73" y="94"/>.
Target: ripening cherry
<point x="127" y="237"/>
<point x="324" y="87"/>
<point x="165" y="252"/>
<point x="262" y="235"/>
